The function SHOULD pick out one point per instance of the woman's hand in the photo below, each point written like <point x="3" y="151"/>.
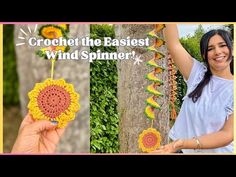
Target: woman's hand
<point x="37" y="136"/>
<point x="171" y="147"/>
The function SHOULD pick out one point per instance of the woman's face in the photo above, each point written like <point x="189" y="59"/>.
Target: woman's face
<point x="218" y="54"/>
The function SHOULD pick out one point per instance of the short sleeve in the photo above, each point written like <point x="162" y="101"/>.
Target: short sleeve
<point x="197" y="73"/>
<point x="230" y="107"/>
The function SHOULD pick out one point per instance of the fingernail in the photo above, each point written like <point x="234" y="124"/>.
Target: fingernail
<point x="54" y="122"/>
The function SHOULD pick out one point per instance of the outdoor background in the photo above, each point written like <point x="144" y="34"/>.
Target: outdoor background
<point x="103" y="127"/>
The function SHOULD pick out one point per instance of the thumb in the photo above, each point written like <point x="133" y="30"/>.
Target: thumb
<point x="43" y="125"/>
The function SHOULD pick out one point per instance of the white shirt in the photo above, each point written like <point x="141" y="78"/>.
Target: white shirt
<point x="209" y="113"/>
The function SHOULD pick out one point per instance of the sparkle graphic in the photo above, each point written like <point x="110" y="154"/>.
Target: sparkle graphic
<point x="25" y="33"/>
<point x="35" y="28"/>
<point x="137" y="60"/>
<point x="29" y="29"/>
<point x="20" y="44"/>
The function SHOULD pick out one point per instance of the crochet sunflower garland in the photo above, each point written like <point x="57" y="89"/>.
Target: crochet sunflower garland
<point x="53" y="100"/>
<point x="173" y="86"/>
<point x="150" y="139"/>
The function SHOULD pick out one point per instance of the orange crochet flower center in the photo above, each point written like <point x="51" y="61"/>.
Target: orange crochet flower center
<point x="149" y="140"/>
<point x="53" y="100"/>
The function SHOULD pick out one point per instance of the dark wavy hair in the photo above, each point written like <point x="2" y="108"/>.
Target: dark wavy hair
<point x="196" y="93"/>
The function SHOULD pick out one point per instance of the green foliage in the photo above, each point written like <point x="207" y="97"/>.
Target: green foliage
<point x="192" y="43"/>
<point x="181" y="90"/>
<point x="230" y="27"/>
<point x="10" y="77"/>
<point x="99" y="32"/>
<point x="104" y="121"/>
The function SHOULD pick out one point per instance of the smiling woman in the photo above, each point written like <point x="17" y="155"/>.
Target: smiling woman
<point x="205" y="121"/>
<point x="219" y="56"/>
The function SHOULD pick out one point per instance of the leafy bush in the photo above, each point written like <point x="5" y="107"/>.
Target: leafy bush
<point x="10" y="77"/>
<point x="104" y="121"/>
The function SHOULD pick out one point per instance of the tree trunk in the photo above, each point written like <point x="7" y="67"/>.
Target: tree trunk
<point x="132" y="94"/>
<point x="32" y="69"/>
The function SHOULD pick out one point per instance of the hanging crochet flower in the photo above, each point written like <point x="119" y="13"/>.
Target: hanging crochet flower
<point x="52" y="31"/>
<point x="149" y="140"/>
<point x="54" y="100"/>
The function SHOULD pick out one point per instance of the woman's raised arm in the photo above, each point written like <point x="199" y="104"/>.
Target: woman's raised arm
<point x="181" y="57"/>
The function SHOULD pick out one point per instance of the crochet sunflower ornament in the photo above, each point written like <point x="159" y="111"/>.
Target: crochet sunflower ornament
<point x="150" y="139"/>
<point x="53" y="100"/>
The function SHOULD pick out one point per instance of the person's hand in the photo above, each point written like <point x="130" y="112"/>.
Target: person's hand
<point x="171" y="147"/>
<point x="39" y="136"/>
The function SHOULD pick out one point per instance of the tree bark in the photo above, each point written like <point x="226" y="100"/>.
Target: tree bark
<point x="33" y="69"/>
<point x="132" y="94"/>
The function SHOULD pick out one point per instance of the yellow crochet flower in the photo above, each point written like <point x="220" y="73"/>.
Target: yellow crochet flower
<point x="51" y="32"/>
<point x="149" y="140"/>
<point x="54" y="100"/>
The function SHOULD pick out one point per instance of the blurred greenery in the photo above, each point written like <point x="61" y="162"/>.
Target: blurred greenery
<point x="230" y="27"/>
<point x="11" y="108"/>
<point x="104" y="120"/>
<point x="10" y="77"/>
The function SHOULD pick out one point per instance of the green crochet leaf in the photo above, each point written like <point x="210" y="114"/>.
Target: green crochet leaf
<point x="154" y="64"/>
<point x="151" y="76"/>
<point x="152" y="33"/>
<point x="149" y="112"/>
<point x="152" y="90"/>
<point x="151" y="102"/>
